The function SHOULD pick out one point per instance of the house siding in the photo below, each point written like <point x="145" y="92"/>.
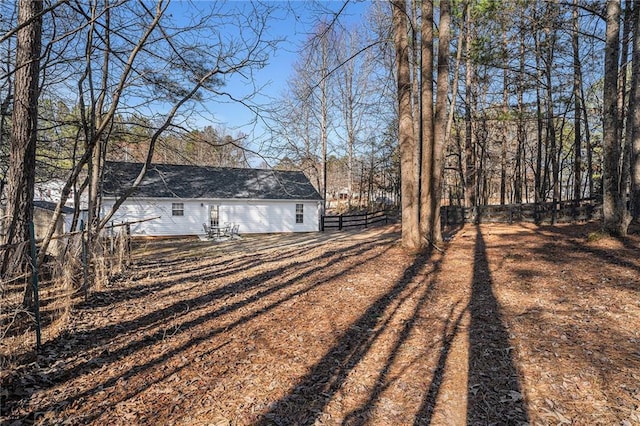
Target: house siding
<point x="252" y="216"/>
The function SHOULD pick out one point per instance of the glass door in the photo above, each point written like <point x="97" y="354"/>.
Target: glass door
<point x="214" y="215"/>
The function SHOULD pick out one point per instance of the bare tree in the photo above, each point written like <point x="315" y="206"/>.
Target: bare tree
<point x="352" y="81"/>
<point x="152" y="68"/>
<point x="577" y="93"/>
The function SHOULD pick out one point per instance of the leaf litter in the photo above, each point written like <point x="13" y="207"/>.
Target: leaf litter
<point x="512" y="324"/>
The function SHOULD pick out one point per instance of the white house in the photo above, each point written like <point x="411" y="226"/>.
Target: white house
<point x="184" y="198"/>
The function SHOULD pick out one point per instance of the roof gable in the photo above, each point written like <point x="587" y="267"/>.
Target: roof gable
<point x="185" y="181"/>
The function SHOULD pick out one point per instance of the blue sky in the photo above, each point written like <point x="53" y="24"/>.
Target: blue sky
<point x="292" y="22"/>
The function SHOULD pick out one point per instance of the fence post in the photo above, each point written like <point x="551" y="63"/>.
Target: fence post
<point x="85" y="273"/>
<point x="366" y="218"/>
<point x="111" y="239"/>
<point x="340" y="222"/>
<point x="34" y="280"/>
<point x="128" y="243"/>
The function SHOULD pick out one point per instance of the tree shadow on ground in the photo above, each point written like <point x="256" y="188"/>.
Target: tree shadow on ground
<point x="449" y="332"/>
<point x="360" y="415"/>
<point x="260" y="297"/>
<point x="494" y="392"/>
<point x="307" y="401"/>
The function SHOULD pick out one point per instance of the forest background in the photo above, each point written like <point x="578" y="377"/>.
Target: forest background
<point x="418" y="104"/>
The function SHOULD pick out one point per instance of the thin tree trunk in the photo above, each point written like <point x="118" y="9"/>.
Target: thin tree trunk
<point x="622" y="103"/>
<point x="440" y="118"/>
<point x="416" y="60"/>
<point x="538" y="180"/>
<point x="577" y="122"/>
<point x="551" y="129"/>
<point x="521" y="133"/>
<point x="427" y="122"/>
<point x="107" y="117"/>
<point x="470" y="192"/>
<point x="505" y="112"/>
<point x="633" y="118"/>
<point x="588" y="145"/>
<point x="324" y="112"/>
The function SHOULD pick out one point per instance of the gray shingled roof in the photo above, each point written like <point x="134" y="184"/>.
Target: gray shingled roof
<point x="184" y="181"/>
<point x="48" y="205"/>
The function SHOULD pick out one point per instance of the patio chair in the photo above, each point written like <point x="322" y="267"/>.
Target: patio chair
<point x="234" y="231"/>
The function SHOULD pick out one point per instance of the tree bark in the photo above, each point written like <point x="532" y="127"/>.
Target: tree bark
<point x="440" y="117"/>
<point x="552" y="139"/>
<point x="539" y="195"/>
<point x="614" y="217"/>
<point x="470" y="186"/>
<point x="577" y="93"/>
<point x="22" y="156"/>
<point x="505" y="125"/>
<point x="521" y="130"/>
<point x="633" y="117"/>
<point x="409" y="186"/>
<point x="426" y="121"/>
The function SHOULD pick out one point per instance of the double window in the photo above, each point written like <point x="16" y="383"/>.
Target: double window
<point x="299" y="213"/>
<point x="177" y="209"/>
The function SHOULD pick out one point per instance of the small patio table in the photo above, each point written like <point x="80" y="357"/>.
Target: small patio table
<point x="218" y="231"/>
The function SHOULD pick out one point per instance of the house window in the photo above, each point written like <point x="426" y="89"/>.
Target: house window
<point x="177" y="209"/>
<point x="299" y="213"/>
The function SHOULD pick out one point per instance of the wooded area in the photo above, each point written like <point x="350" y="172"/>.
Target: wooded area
<point x="507" y="102"/>
<point x="520" y="80"/>
<point x="496" y="102"/>
<point x="452" y="111"/>
<point x="511" y="324"/>
<point x="83" y="82"/>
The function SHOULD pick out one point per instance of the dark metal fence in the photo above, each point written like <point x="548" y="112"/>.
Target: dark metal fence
<point x="559" y="212"/>
<point x="362" y="220"/>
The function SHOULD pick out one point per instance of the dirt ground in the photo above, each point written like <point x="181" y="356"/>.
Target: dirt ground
<point x="512" y="324"/>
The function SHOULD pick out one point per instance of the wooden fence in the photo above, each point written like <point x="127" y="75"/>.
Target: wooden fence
<point x="362" y="220"/>
<point x="560" y="212"/>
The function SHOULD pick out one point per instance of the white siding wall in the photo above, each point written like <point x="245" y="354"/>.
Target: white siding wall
<point x="252" y="216"/>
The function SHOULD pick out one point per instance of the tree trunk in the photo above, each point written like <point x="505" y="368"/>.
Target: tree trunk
<point x="440" y="117"/>
<point x="470" y="193"/>
<point x="633" y="117"/>
<point x="614" y="212"/>
<point x="521" y="130"/>
<point x="416" y="86"/>
<point x="324" y="114"/>
<point x="551" y="128"/>
<point x="409" y="186"/>
<point x="22" y="156"/>
<point x="505" y="128"/>
<point x="577" y="121"/>
<point x="427" y="121"/>
<point x="539" y="196"/>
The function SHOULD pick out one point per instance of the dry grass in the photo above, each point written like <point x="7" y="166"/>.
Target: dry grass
<point x="61" y="287"/>
<point x="511" y="325"/>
